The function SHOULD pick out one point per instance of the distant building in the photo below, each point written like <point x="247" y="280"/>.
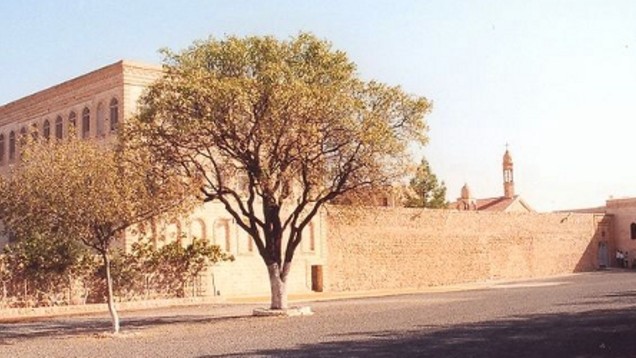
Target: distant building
<point x="509" y="202"/>
<point x="622" y="227"/>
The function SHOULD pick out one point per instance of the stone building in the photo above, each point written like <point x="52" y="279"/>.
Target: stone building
<point x="622" y="228"/>
<point x="623" y="212"/>
<point x="95" y="104"/>
<point x="509" y="202"/>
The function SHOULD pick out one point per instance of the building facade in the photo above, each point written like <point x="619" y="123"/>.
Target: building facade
<point x="623" y="213"/>
<point x="93" y="104"/>
<point x="621" y="227"/>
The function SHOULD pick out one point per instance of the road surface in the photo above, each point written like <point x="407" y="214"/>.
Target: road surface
<point x="586" y="315"/>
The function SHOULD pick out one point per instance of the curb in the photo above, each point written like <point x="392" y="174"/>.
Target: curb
<point x="8" y="315"/>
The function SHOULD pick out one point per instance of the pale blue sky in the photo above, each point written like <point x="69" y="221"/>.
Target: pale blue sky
<point x="555" y="79"/>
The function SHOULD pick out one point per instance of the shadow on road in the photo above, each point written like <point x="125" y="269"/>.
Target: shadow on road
<point x="619" y="298"/>
<point x="598" y="333"/>
<point x="95" y="326"/>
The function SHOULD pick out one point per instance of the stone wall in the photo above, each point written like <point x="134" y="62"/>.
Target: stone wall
<point x="384" y="248"/>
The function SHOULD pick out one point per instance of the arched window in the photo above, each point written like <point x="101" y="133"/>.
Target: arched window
<point x="222" y="234"/>
<point x="46" y="129"/>
<point x="309" y="238"/>
<point x="312" y="237"/>
<point x="1" y="149"/>
<point x="86" y="123"/>
<point x="23" y="136"/>
<point x="12" y="145"/>
<point x="35" y="133"/>
<point x="198" y="230"/>
<point x="114" y="114"/>
<point x="633" y="231"/>
<point x="250" y="243"/>
<point x="72" y="122"/>
<point x="59" y="128"/>
<point x="174" y="232"/>
<point x="101" y="116"/>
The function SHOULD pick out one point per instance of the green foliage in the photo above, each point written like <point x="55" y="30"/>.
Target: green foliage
<point x="292" y="118"/>
<point x="148" y="272"/>
<point x="425" y="191"/>
<point x="177" y="265"/>
<point x="44" y="270"/>
<point x="85" y="190"/>
<point x="88" y="191"/>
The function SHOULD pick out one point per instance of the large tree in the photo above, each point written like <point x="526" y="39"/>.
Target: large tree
<point x="424" y="189"/>
<point x="86" y="191"/>
<point x="274" y="130"/>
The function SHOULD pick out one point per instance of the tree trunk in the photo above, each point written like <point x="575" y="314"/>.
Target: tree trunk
<point x="111" y="302"/>
<point x="278" y="286"/>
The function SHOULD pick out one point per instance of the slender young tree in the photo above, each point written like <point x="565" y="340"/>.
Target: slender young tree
<point x="273" y="130"/>
<point x="426" y="191"/>
<point x="87" y="191"/>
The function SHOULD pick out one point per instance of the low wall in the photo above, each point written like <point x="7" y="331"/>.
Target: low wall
<point x="380" y="248"/>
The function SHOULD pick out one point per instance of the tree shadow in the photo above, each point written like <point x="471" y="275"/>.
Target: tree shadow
<point x="629" y="294"/>
<point x="619" y="298"/>
<point x="67" y="328"/>
<point x="597" y="333"/>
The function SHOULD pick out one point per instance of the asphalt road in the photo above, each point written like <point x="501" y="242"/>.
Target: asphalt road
<point x="587" y="315"/>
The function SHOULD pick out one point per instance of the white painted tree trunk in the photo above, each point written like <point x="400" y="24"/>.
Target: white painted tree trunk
<point x="278" y="286"/>
<point x="111" y="302"/>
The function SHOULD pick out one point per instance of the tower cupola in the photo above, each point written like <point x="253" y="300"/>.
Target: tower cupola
<point x="466" y="201"/>
<point x="465" y="192"/>
<point x="508" y="176"/>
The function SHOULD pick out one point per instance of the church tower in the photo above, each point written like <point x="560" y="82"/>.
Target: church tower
<point x="508" y="179"/>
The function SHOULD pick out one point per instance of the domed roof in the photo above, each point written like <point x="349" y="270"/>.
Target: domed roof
<point x="507" y="158"/>
<point x="466" y="192"/>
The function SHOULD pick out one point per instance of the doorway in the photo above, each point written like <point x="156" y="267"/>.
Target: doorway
<point x="603" y="259"/>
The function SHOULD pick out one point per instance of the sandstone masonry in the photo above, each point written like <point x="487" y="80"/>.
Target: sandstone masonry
<point x="381" y="248"/>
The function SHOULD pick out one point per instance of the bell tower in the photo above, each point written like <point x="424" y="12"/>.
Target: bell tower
<point x="508" y="178"/>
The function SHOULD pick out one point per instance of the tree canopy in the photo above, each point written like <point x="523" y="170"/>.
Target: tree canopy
<point x="275" y="129"/>
<point x="424" y="189"/>
<point x="86" y="191"/>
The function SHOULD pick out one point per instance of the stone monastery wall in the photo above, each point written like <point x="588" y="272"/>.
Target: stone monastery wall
<point x="386" y="248"/>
